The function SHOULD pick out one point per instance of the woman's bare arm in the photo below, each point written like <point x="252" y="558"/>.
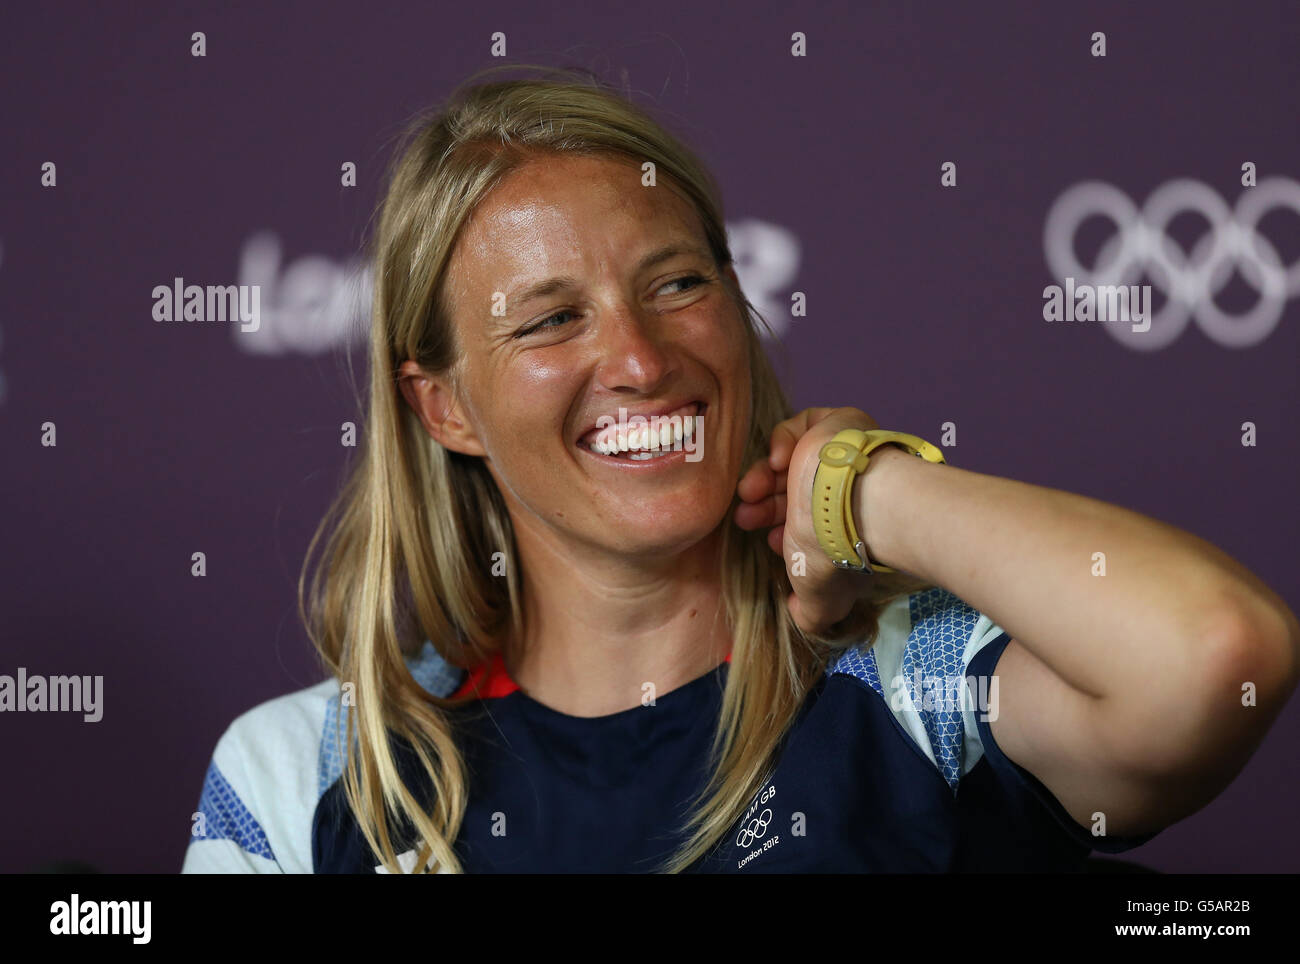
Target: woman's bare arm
<point x="1138" y="693"/>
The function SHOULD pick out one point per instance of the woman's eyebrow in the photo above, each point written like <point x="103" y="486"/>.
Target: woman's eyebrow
<point x="549" y="286"/>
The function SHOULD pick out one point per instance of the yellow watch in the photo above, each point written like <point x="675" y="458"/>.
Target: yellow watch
<point x="839" y="462"/>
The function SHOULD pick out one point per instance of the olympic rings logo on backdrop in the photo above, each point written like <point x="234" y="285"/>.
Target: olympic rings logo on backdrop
<point x="1189" y="282"/>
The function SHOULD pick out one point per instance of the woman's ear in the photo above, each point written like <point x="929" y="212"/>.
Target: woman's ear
<point x="433" y="399"/>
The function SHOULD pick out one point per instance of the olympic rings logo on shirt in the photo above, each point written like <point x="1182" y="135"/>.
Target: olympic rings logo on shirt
<point x="1189" y="282"/>
<point x="755" y="829"/>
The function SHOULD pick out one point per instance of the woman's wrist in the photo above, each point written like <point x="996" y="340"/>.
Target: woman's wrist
<point x="871" y="500"/>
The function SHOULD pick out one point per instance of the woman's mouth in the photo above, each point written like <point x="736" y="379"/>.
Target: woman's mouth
<point x="649" y="438"/>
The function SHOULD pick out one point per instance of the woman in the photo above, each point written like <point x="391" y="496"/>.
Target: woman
<point x="558" y="644"/>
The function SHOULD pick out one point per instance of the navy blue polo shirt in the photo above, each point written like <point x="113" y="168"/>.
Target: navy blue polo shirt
<point x="885" y="769"/>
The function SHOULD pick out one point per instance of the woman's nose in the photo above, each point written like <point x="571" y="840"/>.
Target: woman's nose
<point x="634" y="350"/>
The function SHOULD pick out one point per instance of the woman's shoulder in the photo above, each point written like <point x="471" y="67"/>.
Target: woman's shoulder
<point x="270" y="769"/>
<point x="261" y="787"/>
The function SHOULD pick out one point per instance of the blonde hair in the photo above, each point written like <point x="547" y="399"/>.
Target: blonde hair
<point x="412" y="534"/>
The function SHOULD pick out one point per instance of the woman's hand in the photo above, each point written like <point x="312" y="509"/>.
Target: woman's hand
<point x="823" y="594"/>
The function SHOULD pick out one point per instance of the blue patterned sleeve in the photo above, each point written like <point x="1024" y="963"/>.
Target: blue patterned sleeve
<point x="916" y="663"/>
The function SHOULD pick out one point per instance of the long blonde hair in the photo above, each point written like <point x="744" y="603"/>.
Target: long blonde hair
<point x="411" y="536"/>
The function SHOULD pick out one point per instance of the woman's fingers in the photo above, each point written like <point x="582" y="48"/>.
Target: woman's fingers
<point x="756" y="484"/>
<point x="760" y="482"/>
<point x="786" y="436"/>
<point x="776" y="539"/>
<point x="766" y="512"/>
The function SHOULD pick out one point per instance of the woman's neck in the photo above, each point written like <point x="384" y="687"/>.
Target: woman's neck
<point x="604" y="635"/>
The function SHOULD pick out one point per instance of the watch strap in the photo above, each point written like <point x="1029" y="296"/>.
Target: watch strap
<point x="840" y="461"/>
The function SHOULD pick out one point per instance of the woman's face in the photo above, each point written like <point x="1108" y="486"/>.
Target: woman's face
<point x="610" y="327"/>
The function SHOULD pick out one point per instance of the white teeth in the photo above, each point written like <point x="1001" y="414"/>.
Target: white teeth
<point x="641" y="441"/>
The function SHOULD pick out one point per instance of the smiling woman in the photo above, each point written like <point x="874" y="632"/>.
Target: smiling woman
<point x="551" y="292"/>
<point x="557" y="643"/>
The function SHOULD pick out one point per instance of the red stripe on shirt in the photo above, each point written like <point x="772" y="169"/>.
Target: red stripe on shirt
<point x="491" y="679"/>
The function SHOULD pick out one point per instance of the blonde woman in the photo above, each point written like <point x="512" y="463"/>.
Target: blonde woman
<point x="559" y="644"/>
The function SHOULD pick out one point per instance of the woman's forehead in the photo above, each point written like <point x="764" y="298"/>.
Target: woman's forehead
<point x="566" y="213"/>
<point x="564" y="193"/>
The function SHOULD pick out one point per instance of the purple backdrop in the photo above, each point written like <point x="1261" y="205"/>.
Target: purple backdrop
<point x="175" y="438"/>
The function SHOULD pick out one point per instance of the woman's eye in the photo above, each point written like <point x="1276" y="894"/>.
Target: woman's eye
<point x="544" y="323"/>
<point x="689" y="278"/>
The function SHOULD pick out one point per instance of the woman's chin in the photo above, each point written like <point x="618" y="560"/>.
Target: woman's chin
<point x="663" y="534"/>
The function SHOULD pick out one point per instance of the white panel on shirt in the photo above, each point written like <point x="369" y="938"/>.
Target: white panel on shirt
<point x="262" y="788"/>
<point x="270" y="769"/>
